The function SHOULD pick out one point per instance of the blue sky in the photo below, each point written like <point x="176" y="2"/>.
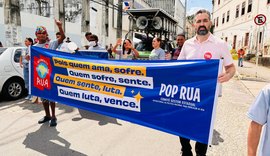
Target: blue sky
<point x="194" y="5"/>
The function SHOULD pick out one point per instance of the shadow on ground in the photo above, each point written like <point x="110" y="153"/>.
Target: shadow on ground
<point x="102" y="119"/>
<point x="253" y="79"/>
<point x="216" y="138"/>
<point x="46" y="140"/>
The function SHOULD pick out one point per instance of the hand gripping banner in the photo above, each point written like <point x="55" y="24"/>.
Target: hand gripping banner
<point x="177" y="97"/>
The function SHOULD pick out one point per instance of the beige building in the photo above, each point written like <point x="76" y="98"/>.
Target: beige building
<point x="234" y="23"/>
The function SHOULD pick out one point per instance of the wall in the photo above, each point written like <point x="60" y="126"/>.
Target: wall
<point x="243" y="24"/>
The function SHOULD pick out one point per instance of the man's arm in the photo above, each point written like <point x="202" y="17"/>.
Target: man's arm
<point x="254" y="133"/>
<point x="62" y="33"/>
<point x="21" y="65"/>
<point x="229" y="73"/>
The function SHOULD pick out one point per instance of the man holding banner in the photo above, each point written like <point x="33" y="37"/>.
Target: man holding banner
<point x="42" y="36"/>
<point x="205" y="46"/>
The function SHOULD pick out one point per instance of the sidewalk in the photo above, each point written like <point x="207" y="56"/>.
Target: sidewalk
<point x="249" y="70"/>
<point x="253" y="78"/>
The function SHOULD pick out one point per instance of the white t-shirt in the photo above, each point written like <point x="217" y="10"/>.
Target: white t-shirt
<point x="63" y="47"/>
<point x="259" y="112"/>
<point x="212" y="48"/>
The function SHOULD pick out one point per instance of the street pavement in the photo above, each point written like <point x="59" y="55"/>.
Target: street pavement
<point x="80" y="133"/>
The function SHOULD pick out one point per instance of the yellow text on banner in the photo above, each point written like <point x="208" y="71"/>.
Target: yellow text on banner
<point x="107" y="89"/>
<point x="95" y="67"/>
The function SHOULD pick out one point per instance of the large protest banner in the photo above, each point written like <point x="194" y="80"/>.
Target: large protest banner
<point x="93" y="54"/>
<point x="176" y="97"/>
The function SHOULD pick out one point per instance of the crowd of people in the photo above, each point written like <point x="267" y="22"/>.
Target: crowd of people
<point x="203" y="45"/>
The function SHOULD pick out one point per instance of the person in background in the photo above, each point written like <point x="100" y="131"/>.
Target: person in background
<point x="157" y="53"/>
<point x="43" y="41"/>
<point x="24" y="63"/>
<point x="128" y="52"/>
<point x="180" y="42"/>
<point x="205" y="46"/>
<point x="110" y="51"/>
<point x="61" y="46"/>
<point x="87" y="36"/>
<point x="241" y="52"/>
<point x="259" y="127"/>
<point x="93" y="45"/>
<point x="35" y="40"/>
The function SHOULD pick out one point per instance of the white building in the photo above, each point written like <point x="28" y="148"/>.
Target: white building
<point x="234" y="22"/>
<point x="107" y="34"/>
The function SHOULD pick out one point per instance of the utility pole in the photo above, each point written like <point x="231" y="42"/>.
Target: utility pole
<point x="107" y="18"/>
<point x="39" y="7"/>
<point x="119" y="19"/>
<point x="85" y="25"/>
<point x="185" y="17"/>
<point x="59" y="13"/>
<point x="85" y="22"/>
<point x="12" y="18"/>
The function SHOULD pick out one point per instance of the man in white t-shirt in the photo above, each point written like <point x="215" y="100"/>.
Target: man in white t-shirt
<point x="43" y="41"/>
<point x="93" y="43"/>
<point x="259" y="113"/>
<point x="205" y="46"/>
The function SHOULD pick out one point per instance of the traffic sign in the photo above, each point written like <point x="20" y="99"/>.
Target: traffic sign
<point x="260" y="19"/>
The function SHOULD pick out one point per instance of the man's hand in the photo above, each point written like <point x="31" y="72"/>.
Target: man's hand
<point x="224" y="77"/>
<point x="58" y="23"/>
<point x="229" y="73"/>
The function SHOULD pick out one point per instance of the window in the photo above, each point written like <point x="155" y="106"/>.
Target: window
<point x="246" y="39"/>
<point x="223" y="18"/>
<point x="218" y="2"/>
<point x="260" y="37"/>
<point x="237" y="11"/>
<point x="234" y="41"/>
<point x="228" y="15"/>
<point x="17" y="55"/>
<point x="243" y="8"/>
<point x="217" y="22"/>
<point x="249" y="6"/>
<point x="226" y="39"/>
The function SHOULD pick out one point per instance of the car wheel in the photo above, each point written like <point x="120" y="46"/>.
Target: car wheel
<point x="13" y="89"/>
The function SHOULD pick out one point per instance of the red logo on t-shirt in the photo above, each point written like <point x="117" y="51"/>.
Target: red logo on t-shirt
<point x="207" y="55"/>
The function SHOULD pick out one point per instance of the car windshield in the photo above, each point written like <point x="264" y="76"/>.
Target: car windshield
<point x="2" y="50"/>
<point x="144" y="46"/>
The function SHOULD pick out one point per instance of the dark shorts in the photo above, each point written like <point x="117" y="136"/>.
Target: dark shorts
<point x="46" y="101"/>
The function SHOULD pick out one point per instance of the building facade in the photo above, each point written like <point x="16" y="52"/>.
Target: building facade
<point x="234" y="22"/>
<point x="103" y="19"/>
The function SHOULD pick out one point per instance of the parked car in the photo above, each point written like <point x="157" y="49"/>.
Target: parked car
<point x="11" y="74"/>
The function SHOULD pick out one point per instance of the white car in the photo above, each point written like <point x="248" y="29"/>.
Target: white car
<point x="11" y="74"/>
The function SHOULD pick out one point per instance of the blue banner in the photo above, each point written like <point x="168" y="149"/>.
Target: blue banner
<point x="102" y="54"/>
<point x="176" y="97"/>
